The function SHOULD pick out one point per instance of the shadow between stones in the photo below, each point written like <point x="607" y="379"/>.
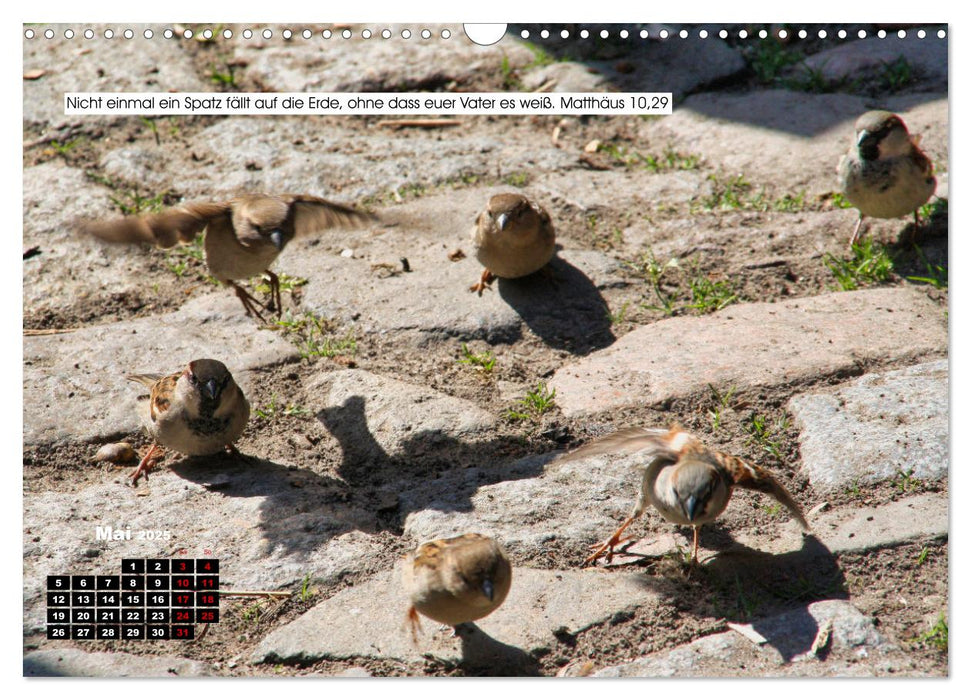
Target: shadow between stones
<point x="567" y="312"/>
<point x="301" y="508"/>
<point x="437" y="471"/>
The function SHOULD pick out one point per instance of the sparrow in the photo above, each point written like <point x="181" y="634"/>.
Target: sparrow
<point x="198" y="411"/>
<point x="243" y="235"/>
<point x="512" y="237"/>
<point x="687" y="483"/>
<point x="457" y="580"/>
<point x="885" y="174"/>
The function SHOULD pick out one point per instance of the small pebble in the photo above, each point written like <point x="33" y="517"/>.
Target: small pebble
<point x="116" y="453"/>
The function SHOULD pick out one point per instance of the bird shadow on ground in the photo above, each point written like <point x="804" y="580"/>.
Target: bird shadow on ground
<point x="562" y="306"/>
<point x="299" y="507"/>
<point x="745" y="585"/>
<point x="484" y="655"/>
<point x="372" y="491"/>
<point x="435" y="469"/>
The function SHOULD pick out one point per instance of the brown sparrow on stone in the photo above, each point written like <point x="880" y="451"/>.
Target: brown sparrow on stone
<point x="513" y="237"/>
<point x="457" y="580"/>
<point x="885" y="174"/>
<point x="198" y="411"/>
<point x="243" y="235"/>
<point x="687" y="483"/>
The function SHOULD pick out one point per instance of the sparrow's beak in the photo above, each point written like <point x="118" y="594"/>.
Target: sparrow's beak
<point x="691" y="506"/>
<point x="488" y="589"/>
<point x="862" y="136"/>
<point x="276" y="236"/>
<point x="502" y="220"/>
<point x="210" y="389"/>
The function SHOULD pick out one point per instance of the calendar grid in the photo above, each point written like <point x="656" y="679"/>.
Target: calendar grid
<point x="149" y="599"/>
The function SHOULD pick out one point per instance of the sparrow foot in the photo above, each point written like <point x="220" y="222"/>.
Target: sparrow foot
<point x="249" y="302"/>
<point x="610" y="544"/>
<point x="413" y="621"/>
<point x="276" y="301"/>
<point x="485" y="280"/>
<point x="550" y="275"/>
<point x="145" y="465"/>
<point x="856" y="232"/>
<point x="234" y="452"/>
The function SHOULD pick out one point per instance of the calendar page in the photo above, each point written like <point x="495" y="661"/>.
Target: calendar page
<point x="423" y="349"/>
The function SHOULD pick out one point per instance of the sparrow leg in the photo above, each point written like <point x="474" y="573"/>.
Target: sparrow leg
<point x="548" y="273"/>
<point x="276" y="302"/>
<point x="856" y="232"/>
<point x="484" y="282"/>
<point x="609" y="545"/>
<point x="411" y="618"/>
<point x="236" y="454"/>
<point x="145" y="466"/>
<point x="249" y="303"/>
<point x="694" y="547"/>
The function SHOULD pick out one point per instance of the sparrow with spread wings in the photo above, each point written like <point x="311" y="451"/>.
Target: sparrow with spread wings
<point x="243" y="237"/>
<point x="687" y="483"/>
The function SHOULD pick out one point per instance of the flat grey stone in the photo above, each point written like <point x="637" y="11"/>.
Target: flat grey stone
<point x="790" y="637"/>
<point x="373" y="417"/>
<point x="532" y="507"/>
<point x="920" y="517"/>
<point x="70" y="267"/>
<point x="926" y="57"/>
<point x="102" y="664"/>
<point x="876" y="427"/>
<point x="590" y="191"/>
<point x="368" y="621"/>
<point x="101" y="65"/>
<point x="74" y="383"/>
<point x="433" y="299"/>
<point x="750" y="345"/>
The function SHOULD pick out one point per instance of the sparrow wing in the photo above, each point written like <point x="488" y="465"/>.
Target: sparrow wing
<point x="921" y="160"/>
<point x="164" y="230"/>
<point x="749" y="476"/>
<point x="312" y="214"/>
<point x="161" y="390"/>
<point x="627" y="441"/>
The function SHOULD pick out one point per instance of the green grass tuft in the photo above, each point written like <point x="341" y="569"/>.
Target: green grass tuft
<point x="484" y="362"/>
<point x="870" y="263"/>
<point x="536" y="402"/>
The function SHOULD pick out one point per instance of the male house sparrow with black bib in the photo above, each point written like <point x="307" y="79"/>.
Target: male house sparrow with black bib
<point x="513" y="237"/>
<point x="456" y="580"/>
<point x="885" y="174"/>
<point x="687" y="483"/>
<point x="243" y="235"/>
<point x="198" y="411"/>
